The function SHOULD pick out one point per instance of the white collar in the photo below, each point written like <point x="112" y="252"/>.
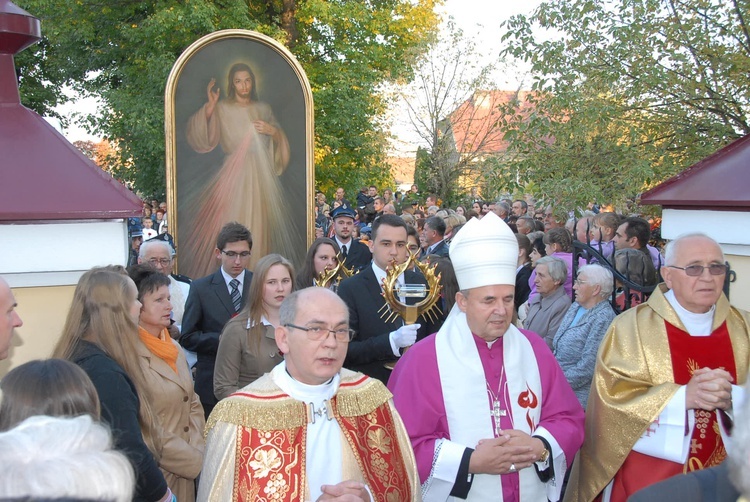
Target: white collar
<point x="228" y="278"/>
<point x="380" y="275"/>
<point x="342" y="244"/>
<point x="696" y="324"/>
<point x="315" y="394"/>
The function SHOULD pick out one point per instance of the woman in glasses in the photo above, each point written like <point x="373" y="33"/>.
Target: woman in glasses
<point x="581" y="331"/>
<point x="247" y="348"/>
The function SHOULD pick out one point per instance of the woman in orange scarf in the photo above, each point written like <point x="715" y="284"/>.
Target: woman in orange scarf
<point x="178" y="410"/>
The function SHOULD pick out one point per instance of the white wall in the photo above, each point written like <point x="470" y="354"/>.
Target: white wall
<point x="57" y="253"/>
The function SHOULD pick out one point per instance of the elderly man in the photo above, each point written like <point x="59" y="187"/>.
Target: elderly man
<point x="433" y="234"/>
<point x="665" y="379"/>
<point x="519" y="207"/>
<point x="525" y="225"/>
<point x="309" y="430"/>
<point x="9" y="318"/>
<point x="488" y="410"/>
<point x="160" y="255"/>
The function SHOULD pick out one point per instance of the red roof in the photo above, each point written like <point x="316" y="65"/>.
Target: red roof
<point x="42" y="175"/>
<point x="475" y="121"/>
<point x="721" y="181"/>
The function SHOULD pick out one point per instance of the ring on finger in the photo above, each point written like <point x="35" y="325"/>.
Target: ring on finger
<point x="512" y="468"/>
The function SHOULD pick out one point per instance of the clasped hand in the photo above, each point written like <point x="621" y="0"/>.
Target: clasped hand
<point x="512" y="448"/>
<point x="709" y="389"/>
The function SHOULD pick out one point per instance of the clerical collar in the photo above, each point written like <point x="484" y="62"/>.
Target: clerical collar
<point x="696" y="324"/>
<point x="303" y="392"/>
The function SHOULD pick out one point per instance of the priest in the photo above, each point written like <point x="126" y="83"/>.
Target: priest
<point x="665" y="381"/>
<point x="488" y="410"/>
<point x="309" y="430"/>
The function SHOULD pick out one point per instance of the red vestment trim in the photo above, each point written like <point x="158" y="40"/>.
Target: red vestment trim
<point x="688" y="353"/>
<point x="271" y="464"/>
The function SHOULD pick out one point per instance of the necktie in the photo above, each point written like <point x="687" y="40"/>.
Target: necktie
<point x="343" y="251"/>
<point x="235" y="293"/>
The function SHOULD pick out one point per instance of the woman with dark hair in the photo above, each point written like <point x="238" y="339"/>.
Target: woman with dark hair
<point x="177" y="407"/>
<point x="320" y="256"/>
<point x="53" y="387"/>
<point x="101" y="336"/>
<point x="247" y="346"/>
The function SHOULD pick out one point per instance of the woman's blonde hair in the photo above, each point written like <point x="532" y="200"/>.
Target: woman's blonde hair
<point x="100" y="314"/>
<point x="253" y="310"/>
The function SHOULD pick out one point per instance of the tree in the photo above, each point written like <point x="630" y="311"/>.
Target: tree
<point x="122" y="51"/>
<point x="453" y="114"/>
<point x="628" y="92"/>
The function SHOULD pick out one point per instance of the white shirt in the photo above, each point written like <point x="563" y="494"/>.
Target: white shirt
<point x="323" y="458"/>
<point x="228" y="278"/>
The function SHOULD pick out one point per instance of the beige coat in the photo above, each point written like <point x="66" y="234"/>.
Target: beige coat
<point x="181" y="419"/>
<point x="239" y="360"/>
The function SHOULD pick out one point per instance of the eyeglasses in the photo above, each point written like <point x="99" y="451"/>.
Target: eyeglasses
<point x="160" y="261"/>
<point x="318" y="333"/>
<point x="235" y="254"/>
<point x="697" y="270"/>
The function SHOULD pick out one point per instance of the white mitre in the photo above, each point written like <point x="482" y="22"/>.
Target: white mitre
<point x="484" y="253"/>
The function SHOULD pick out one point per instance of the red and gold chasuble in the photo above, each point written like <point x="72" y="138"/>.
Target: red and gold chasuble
<point x="270" y="463"/>
<point x="688" y="354"/>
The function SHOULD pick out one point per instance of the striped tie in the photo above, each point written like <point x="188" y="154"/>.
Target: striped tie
<point x="235" y="293"/>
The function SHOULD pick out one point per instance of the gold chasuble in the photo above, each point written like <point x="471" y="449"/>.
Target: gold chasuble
<point x="268" y="455"/>
<point x="636" y="377"/>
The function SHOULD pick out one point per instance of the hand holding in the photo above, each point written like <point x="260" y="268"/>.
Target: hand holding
<point x="346" y="491"/>
<point x="406" y="335"/>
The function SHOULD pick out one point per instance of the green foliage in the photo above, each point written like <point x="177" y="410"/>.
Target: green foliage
<point x="122" y="51"/>
<point x="631" y="91"/>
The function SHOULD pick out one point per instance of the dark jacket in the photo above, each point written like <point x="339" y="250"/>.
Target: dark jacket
<point x="522" y="285"/>
<point x="120" y="404"/>
<point x="371" y="346"/>
<point x="207" y="310"/>
<point x="358" y="255"/>
<point x="706" y="485"/>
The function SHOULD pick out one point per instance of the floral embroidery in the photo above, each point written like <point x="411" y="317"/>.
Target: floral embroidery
<point x="265" y="461"/>
<point x="379" y="440"/>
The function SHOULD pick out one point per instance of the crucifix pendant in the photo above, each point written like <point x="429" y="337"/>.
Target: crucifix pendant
<point x="497" y="413"/>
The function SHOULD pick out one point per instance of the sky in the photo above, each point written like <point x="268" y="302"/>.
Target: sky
<point x="478" y="18"/>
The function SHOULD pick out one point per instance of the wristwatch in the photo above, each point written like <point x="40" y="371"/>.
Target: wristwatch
<point x="545" y="455"/>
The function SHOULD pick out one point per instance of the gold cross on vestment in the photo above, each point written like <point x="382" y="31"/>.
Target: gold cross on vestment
<point x="694" y="446"/>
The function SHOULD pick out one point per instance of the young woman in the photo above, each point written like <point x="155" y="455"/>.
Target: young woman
<point x="101" y="335"/>
<point x="175" y="403"/>
<point x="247" y="347"/>
<point x="321" y="254"/>
<point x="54" y="387"/>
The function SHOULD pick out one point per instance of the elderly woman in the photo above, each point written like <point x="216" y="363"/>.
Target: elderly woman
<point x="577" y="340"/>
<point x="548" y="307"/>
<point x="558" y="243"/>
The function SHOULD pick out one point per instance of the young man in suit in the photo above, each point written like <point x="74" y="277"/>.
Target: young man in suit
<point x="356" y="255"/>
<point x="377" y="341"/>
<point x="212" y="301"/>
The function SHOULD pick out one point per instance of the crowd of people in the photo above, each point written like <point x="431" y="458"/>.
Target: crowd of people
<point x="570" y="358"/>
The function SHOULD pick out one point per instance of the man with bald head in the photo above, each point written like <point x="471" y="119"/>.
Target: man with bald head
<point x="309" y="429"/>
<point x="9" y="318"/>
<point x="667" y="375"/>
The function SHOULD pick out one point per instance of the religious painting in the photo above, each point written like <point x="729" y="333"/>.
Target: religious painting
<point x="239" y="133"/>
